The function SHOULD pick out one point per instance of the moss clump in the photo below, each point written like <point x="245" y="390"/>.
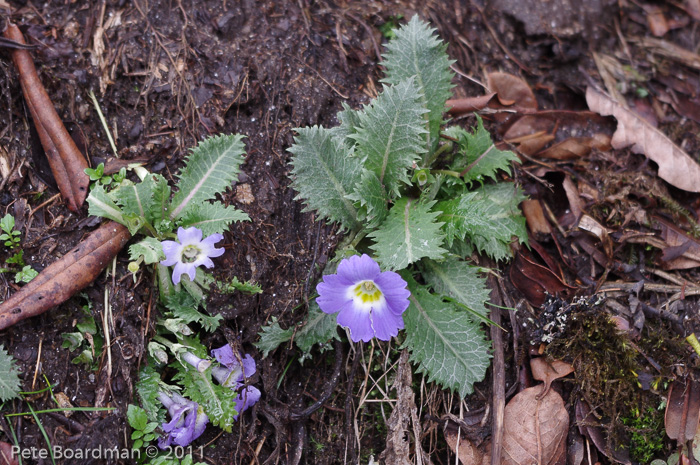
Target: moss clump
<point x="646" y="431"/>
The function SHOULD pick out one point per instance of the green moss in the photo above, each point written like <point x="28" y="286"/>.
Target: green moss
<point x="646" y="433"/>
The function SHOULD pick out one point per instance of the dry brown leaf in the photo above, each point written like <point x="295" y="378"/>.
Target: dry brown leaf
<point x="683" y="409"/>
<point x="549" y="371"/>
<point x="467" y="452"/>
<point x="657" y="21"/>
<point x="675" y="166"/>
<point x="461" y="106"/>
<point x="576" y="147"/>
<point x="534" y="215"/>
<point x="535" y="429"/>
<point x="511" y="90"/>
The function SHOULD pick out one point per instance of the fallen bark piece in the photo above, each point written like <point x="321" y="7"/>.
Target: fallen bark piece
<point x="63" y="278"/>
<point x="67" y="163"/>
<point x="675" y="166"/>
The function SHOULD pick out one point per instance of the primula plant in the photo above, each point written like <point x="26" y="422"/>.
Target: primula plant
<point x="416" y="197"/>
<point x="178" y="237"/>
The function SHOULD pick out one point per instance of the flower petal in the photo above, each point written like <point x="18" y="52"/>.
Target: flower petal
<point x="184" y="268"/>
<point x="172" y="251"/>
<point x="224" y="355"/>
<point x="385" y="324"/>
<point x="247" y="397"/>
<point x="356" y="269"/>
<point x="248" y="366"/>
<point x="358" y="322"/>
<point x="207" y="245"/>
<point x="393" y="287"/>
<point x="332" y="296"/>
<point x="189" y="236"/>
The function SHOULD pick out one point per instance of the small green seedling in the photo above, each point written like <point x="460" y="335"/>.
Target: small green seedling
<point x="98" y="175"/>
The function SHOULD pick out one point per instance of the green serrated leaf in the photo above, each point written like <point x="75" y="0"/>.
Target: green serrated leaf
<point x="459" y="280"/>
<point x="371" y="195"/>
<point x="390" y="137"/>
<point x="488" y="218"/>
<point x="103" y="204"/>
<point x="217" y="401"/>
<point x="148" y="387"/>
<point x="272" y="336"/>
<point x="408" y="234"/>
<point x="478" y="153"/>
<point x="183" y="306"/>
<point x="144" y="199"/>
<point x="211" y="217"/>
<point x="150" y="248"/>
<point x="417" y="52"/>
<point x="211" y="168"/>
<point x="249" y="287"/>
<point x="324" y="173"/>
<point x="349" y="122"/>
<point x="320" y="327"/>
<point x="446" y="344"/>
<point x="9" y="376"/>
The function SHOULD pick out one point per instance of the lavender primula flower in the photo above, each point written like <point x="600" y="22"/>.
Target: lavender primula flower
<point x="187" y="421"/>
<point x="190" y="251"/>
<point x="234" y="376"/>
<point x="369" y="302"/>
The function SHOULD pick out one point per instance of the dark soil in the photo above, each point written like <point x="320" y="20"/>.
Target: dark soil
<point x="167" y="74"/>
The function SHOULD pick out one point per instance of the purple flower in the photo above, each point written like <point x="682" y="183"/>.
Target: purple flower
<point x="190" y="252"/>
<point x="201" y="364"/>
<point x="187" y="421"/>
<point x="370" y="302"/>
<point x="234" y="375"/>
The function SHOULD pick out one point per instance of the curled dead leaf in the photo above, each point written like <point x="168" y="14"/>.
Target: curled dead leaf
<point x="549" y="370"/>
<point x="675" y="166"/>
<point x="535" y="429"/>
<point x="63" y="278"/>
<point x="512" y="90"/>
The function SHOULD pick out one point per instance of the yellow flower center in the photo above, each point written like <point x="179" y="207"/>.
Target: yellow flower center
<point x="368" y="292"/>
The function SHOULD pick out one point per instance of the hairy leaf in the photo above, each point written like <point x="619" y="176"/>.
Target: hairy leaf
<point x="446" y="344"/>
<point x="9" y="376"/>
<point x="320" y="328"/>
<point x="349" y="122"/>
<point x="418" y="52"/>
<point x="150" y="248"/>
<point x="184" y="306"/>
<point x="479" y="155"/>
<point x="390" y="137"/>
<point x="211" y="217"/>
<point x="217" y="401"/>
<point x="143" y="199"/>
<point x="409" y="233"/>
<point x="103" y="204"/>
<point x="371" y="195"/>
<point x="488" y="218"/>
<point x="272" y="336"/>
<point x="148" y="387"/>
<point x="324" y="173"/>
<point x="459" y="280"/>
<point x="248" y="287"/>
<point x="211" y="168"/>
